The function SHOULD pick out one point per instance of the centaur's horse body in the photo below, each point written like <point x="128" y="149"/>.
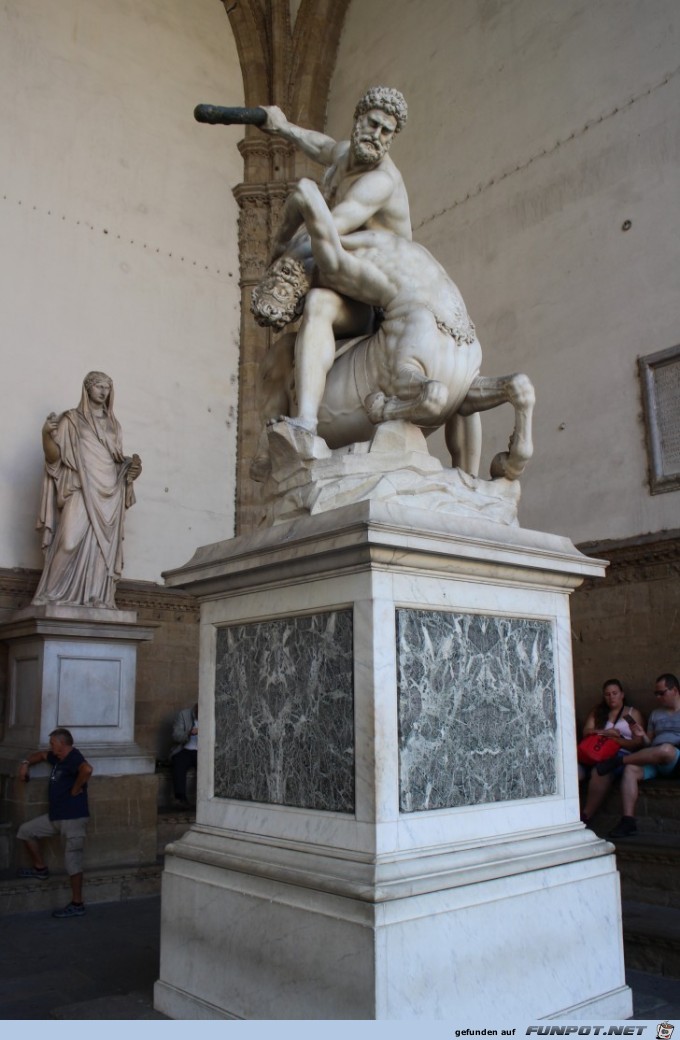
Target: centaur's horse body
<point x="422" y="362"/>
<point x="361" y="387"/>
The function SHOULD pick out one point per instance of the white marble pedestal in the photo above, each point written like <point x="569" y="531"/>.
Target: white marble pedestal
<point x="74" y="667"/>
<point x="388" y="822"/>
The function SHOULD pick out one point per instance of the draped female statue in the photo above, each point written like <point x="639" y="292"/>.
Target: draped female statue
<point x="86" y="489"/>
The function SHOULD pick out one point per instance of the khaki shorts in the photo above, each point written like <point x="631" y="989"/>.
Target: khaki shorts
<point x="73" y="830"/>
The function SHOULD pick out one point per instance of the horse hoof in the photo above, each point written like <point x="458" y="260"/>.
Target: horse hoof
<point x="375" y="407"/>
<point x="501" y="466"/>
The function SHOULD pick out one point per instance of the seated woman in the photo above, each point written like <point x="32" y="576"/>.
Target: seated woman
<point x="611" y="718"/>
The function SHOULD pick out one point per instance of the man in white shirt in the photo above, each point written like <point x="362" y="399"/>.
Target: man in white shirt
<point x="184" y="753"/>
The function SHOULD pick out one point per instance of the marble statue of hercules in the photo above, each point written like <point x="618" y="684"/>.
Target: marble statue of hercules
<point x="362" y="186"/>
<point x="420" y="365"/>
<point x="363" y="189"/>
<point x="424" y="319"/>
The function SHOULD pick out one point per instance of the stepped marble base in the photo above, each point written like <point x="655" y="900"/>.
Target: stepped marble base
<point x="388" y="823"/>
<point x="504" y="925"/>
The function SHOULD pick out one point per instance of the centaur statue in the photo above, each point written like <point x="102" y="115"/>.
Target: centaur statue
<point x="418" y="362"/>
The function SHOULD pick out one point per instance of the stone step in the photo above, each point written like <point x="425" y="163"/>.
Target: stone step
<point x="130" y="1007"/>
<point x="651" y="937"/>
<point x="172" y="824"/>
<point x="6" y="845"/>
<point x="657" y="810"/>
<point x="165" y="792"/>
<point x="103" y="883"/>
<point x="649" y="862"/>
<point x="101" y="886"/>
<point x="650" y="869"/>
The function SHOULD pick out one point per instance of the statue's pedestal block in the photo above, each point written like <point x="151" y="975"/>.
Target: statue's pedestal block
<point x="75" y="667"/>
<point x="388" y="820"/>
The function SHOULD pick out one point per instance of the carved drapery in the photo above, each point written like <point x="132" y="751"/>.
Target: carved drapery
<point x="290" y="66"/>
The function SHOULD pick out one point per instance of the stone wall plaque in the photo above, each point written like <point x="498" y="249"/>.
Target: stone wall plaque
<point x="660" y="377"/>
<point x="477" y="715"/>
<point x="284" y="712"/>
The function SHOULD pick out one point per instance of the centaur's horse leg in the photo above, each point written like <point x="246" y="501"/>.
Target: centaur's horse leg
<point x="424" y="404"/>
<point x="463" y="434"/>
<point x="490" y="392"/>
<point x="420" y="372"/>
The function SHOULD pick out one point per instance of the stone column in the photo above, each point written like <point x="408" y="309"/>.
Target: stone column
<point x="260" y="198"/>
<point x="271" y="168"/>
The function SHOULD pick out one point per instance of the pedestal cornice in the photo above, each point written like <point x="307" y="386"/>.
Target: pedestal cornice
<point x="77" y="623"/>
<point x="379" y="535"/>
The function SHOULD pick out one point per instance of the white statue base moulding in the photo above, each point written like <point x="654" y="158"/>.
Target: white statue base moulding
<point x="388" y="817"/>
<point x="74" y="667"/>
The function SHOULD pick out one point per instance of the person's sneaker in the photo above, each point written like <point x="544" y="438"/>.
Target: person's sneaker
<point x="625" y="828"/>
<point x="72" y="910"/>
<point x="41" y="873"/>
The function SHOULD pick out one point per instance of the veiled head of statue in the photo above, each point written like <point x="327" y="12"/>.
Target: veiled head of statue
<point x="97" y="393"/>
<point x="279" y="296"/>
<point x="96" y="377"/>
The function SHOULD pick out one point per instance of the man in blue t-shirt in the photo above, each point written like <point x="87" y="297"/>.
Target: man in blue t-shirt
<point x="659" y="757"/>
<point x="67" y="815"/>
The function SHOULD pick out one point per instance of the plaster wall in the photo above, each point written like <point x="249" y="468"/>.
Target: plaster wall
<point x="536" y="129"/>
<point x="119" y="252"/>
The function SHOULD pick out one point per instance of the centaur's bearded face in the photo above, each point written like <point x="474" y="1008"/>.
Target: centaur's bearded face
<point x="279" y="297"/>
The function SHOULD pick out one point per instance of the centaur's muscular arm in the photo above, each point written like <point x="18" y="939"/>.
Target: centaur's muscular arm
<point x="365" y="197"/>
<point x="343" y="271"/>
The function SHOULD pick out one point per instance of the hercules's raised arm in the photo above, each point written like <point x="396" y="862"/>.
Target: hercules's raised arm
<point x="317" y="146"/>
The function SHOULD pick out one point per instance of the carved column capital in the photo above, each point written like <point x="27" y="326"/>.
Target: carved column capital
<point x="256" y="152"/>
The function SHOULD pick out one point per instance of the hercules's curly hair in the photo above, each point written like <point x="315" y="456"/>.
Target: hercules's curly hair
<point x="387" y="99"/>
